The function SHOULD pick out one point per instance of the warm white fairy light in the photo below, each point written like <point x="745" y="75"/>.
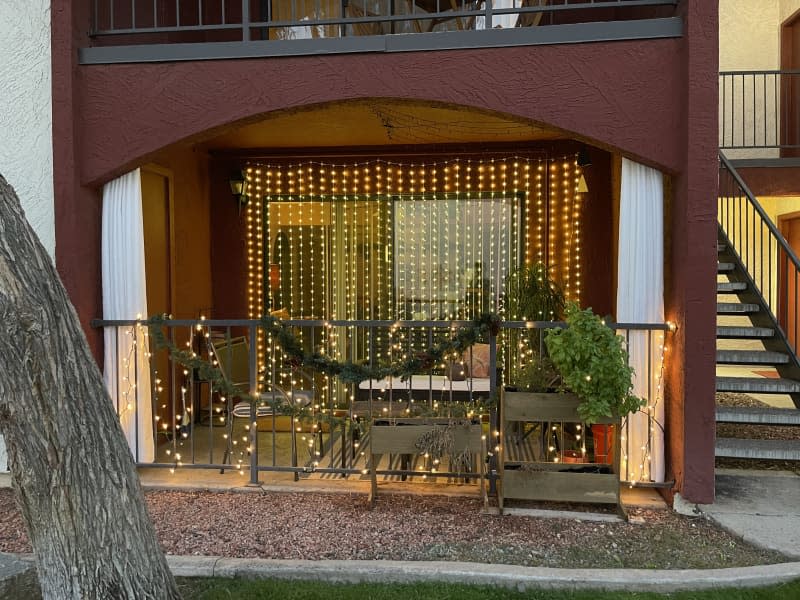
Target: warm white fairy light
<point x="446" y="200"/>
<point x="576" y="230"/>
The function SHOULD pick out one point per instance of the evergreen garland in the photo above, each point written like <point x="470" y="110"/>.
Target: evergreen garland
<point x="487" y="324"/>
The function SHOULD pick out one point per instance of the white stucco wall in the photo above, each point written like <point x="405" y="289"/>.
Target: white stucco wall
<point x="26" y="148"/>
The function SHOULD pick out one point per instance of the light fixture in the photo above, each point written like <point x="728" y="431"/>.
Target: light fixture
<point x="582" y="187"/>
<point x="238" y="183"/>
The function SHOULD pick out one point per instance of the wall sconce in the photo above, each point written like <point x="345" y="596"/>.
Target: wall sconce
<point x="582" y="187"/>
<point x="583" y="160"/>
<point x="238" y="183"/>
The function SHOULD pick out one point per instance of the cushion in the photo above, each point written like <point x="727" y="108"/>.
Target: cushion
<point x="476" y="359"/>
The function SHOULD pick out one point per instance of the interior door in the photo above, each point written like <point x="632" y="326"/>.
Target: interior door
<point x="790" y="86"/>
<point x="788" y="280"/>
<point x="156" y="219"/>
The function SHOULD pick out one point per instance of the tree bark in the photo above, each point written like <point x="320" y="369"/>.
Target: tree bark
<point x="72" y="471"/>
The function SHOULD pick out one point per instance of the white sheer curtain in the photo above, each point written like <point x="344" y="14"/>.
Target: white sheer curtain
<point x="640" y="299"/>
<point x="127" y="370"/>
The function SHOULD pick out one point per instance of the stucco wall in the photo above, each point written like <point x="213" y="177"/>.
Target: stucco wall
<point x="26" y="149"/>
<point x="749" y="35"/>
<point x="787" y="8"/>
<point x="750" y="40"/>
<point x="26" y="155"/>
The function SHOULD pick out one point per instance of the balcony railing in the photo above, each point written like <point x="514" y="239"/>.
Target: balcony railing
<point x="364" y="25"/>
<point x="759" y="110"/>
<point x="307" y="423"/>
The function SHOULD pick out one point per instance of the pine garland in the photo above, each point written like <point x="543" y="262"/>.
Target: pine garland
<point x="488" y="324"/>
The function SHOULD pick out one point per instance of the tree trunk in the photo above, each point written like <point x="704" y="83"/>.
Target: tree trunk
<point x="73" y="474"/>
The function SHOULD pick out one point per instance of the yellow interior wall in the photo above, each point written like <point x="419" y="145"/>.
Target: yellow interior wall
<point x="759" y="264"/>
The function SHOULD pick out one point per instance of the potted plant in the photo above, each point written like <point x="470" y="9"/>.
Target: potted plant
<point x="595" y="387"/>
<point x="531" y="294"/>
<point x="594" y="366"/>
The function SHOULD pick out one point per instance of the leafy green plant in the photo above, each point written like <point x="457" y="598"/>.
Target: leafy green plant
<point x="594" y="365"/>
<point x="531" y="294"/>
<point x="538" y="375"/>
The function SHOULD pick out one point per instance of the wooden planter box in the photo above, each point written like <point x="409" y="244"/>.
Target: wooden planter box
<point x="551" y="481"/>
<point x="399" y="436"/>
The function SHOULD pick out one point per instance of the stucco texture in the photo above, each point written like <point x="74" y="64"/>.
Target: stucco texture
<point x="26" y="146"/>
<point x="131" y="111"/>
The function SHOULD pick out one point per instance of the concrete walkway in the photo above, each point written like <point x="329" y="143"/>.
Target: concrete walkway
<point x="17" y="578"/>
<point x="761" y="507"/>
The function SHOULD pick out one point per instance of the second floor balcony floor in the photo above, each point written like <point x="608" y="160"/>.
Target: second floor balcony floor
<point x="168" y="30"/>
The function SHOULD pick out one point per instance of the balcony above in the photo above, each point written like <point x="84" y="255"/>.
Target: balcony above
<point x="125" y="31"/>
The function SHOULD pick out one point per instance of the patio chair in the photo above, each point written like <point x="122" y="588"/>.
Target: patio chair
<point x="233" y="358"/>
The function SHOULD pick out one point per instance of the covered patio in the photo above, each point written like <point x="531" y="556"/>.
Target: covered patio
<point x="369" y="254"/>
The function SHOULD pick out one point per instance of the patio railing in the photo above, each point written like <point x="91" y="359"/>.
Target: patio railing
<point x="759" y="109"/>
<point x="772" y="269"/>
<point x="309" y="26"/>
<point x="291" y="19"/>
<point x="305" y="423"/>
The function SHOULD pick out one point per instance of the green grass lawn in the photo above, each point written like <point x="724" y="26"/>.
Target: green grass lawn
<point x="211" y="589"/>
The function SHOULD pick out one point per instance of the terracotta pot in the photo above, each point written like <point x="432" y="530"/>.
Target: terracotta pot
<point x="603" y="436"/>
<point x="571" y="456"/>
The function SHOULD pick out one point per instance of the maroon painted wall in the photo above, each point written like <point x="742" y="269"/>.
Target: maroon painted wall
<point x="77" y="207"/>
<point x="771" y="181"/>
<point x="596" y="90"/>
<point x="690" y="300"/>
<point x="228" y="251"/>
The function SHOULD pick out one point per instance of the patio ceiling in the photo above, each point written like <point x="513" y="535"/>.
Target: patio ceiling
<point x="377" y="123"/>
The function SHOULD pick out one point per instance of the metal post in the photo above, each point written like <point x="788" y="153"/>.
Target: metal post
<point x="494" y="414"/>
<point x="245" y="20"/>
<point x="253" y="387"/>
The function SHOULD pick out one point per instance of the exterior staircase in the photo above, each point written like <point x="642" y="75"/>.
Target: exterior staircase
<point x="748" y="339"/>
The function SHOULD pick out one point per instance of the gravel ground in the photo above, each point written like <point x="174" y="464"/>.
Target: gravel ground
<point x="755" y="432"/>
<point x="410" y="527"/>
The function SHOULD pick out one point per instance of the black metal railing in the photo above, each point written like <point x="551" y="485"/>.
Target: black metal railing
<point x="246" y="20"/>
<point x="759" y="109"/>
<point x="306" y="423"/>
<point x="772" y="267"/>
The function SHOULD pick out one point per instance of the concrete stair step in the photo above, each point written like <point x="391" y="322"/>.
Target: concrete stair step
<point x="758" y="415"/>
<point x="721" y="247"/>
<point x="758" y="449"/>
<point x="725" y="267"/>
<point x="758" y="385"/>
<point x="751" y="357"/>
<point x="736" y="308"/>
<point x="734" y="332"/>
<point x="730" y="287"/>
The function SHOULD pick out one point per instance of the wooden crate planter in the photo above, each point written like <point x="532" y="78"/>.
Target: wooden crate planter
<point x="551" y="481"/>
<point x="400" y="436"/>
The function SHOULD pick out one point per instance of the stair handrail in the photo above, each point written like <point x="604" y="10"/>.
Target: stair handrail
<point x="782" y="248"/>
